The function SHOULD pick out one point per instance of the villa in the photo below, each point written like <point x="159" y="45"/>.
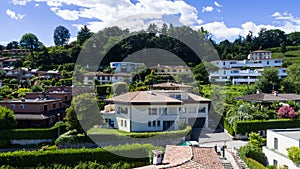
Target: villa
<point x="156" y="110"/>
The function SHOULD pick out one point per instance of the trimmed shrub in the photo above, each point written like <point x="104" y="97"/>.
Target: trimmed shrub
<point x="242" y="127"/>
<point x="31" y="133"/>
<point x="252" y="164"/>
<point x="254" y="152"/>
<point x="72" y="157"/>
<point x="228" y="127"/>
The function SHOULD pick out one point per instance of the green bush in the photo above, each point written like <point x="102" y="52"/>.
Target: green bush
<point x="252" y="164"/>
<point x="74" y="156"/>
<point x="7" y="118"/>
<point x="242" y="127"/>
<point x="4" y="143"/>
<point x="103" y="89"/>
<point x="254" y="152"/>
<point x="31" y="133"/>
<point x="228" y="127"/>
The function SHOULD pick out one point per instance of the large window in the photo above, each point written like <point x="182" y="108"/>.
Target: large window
<point x="152" y="111"/>
<point x="163" y="111"/>
<point x="123" y="110"/>
<point x="13" y="106"/>
<point x="22" y="106"/>
<point x="201" y="110"/>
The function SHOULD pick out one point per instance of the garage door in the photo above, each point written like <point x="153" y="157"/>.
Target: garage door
<point x="197" y="122"/>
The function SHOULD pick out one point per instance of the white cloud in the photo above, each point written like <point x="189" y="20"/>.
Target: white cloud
<point x="37" y="5"/>
<point x="20" y="2"/>
<point x="111" y="11"/>
<point x="217" y="4"/>
<point x="13" y="15"/>
<point x="207" y="9"/>
<point x="276" y="14"/>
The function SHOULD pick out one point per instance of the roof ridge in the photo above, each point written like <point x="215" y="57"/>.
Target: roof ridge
<point x="135" y="95"/>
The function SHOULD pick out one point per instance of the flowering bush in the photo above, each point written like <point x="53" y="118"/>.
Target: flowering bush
<point x="286" y="112"/>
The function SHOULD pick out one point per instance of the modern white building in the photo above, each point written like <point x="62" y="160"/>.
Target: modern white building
<point x="245" y="71"/>
<point x="106" y="78"/>
<point x="125" y="67"/>
<point x="278" y="140"/>
<point x="157" y="110"/>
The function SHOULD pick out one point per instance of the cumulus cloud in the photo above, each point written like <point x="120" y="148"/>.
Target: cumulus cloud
<point x="108" y="12"/>
<point x="20" y="2"/>
<point x="217" y="4"/>
<point x="13" y="15"/>
<point x="207" y="9"/>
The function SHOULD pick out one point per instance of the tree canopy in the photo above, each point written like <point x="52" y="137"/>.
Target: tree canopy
<point x="7" y="118"/>
<point x="61" y="36"/>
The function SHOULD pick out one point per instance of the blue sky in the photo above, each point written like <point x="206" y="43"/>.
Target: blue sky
<point x="223" y="18"/>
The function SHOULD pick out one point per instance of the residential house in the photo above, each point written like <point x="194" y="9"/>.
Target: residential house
<point x="172" y="70"/>
<point x="125" y="67"/>
<point x="278" y="140"/>
<point x="245" y="71"/>
<point x="22" y="52"/>
<point x="106" y="78"/>
<point x="39" y="112"/>
<point x="157" y="110"/>
<point x="171" y="86"/>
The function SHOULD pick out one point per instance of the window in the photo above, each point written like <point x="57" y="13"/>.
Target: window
<point x="125" y="123"/>
<point x="276" y="143"/>
<point x="201" y="110"/>
<point x="154" y="123"/>
<point x="277" y="61"/>
<point x="66" y="97"/>
<point x="60" y="104"/>
<point x="123" y="110"/>
<point x="54" y="105"/>
<point x="149" y="123"/>
<point x="158" y="123"/>
<point x="163" y="111"/>
<point x="181" y="109"/>
<point x="13" y="106"/>
<point x="121" y="123"/>
<point x="275" y="163"/>
<point x="173" y="110"/>
<point x="152" y="111"/>
<point x="267" y="62"/>
<point x="22" y="106"/>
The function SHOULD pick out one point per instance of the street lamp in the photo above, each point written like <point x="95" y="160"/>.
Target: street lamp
<point x="58" y="129"/>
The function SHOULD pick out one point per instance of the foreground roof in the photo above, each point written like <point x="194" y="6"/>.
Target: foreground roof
<point x="189" y="157"/>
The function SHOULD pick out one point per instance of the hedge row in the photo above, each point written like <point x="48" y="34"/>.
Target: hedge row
<point x="31" y="133"/>
<point x="73" y="156"/>
<point x="243" y="127"/>
<point x="252" y="164"/>
<point x="228" y="127"/>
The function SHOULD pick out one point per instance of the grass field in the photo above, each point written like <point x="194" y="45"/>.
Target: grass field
<point x="291" y="55"/>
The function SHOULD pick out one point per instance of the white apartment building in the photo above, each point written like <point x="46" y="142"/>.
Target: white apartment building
<point x="125" y="67"/>
<point x="157" y="111"/>
<point x="277" y="142"/>
<point x="106" y="78"/>
<point x="245" y="71"/>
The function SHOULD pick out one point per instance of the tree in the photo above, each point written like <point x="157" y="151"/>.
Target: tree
<point x="31" y="42"/>
<point x="83" y="34"/>
<point x="61" y="36"/>
<point x="83" y="113"/>
<point x="119" y="88"/>
<point x="294" y="154"/>
<point x="12" y="45"/>
<point x="7" y="118"/>
<point x="292" y="81"/>
<point x="268" y="81"/>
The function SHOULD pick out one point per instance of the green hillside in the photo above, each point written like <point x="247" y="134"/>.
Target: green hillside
<point x="291" y="55"/>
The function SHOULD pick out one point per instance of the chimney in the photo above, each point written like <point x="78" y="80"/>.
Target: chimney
<point x="157" y="157"/>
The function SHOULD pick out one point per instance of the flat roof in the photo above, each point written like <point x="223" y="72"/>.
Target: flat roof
<point x="291" y="133"/>
<point x="30" y="101"/>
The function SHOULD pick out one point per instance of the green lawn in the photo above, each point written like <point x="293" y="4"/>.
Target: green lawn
<point x="104" y="131"/>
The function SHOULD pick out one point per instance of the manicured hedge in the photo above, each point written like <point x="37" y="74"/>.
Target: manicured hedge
<point x="252" y="164"/>
<point x="73" y="156"/>
<point x="243" y="127"/>
<point x="31" y="133"/>
<point x="228" y="127"/>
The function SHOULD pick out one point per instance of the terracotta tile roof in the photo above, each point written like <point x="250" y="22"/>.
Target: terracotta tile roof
<point x="143" y="97"/>
<point x="171" y="85"/>
<point x="187" y="157"/>
<point x="269" y="98"/>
